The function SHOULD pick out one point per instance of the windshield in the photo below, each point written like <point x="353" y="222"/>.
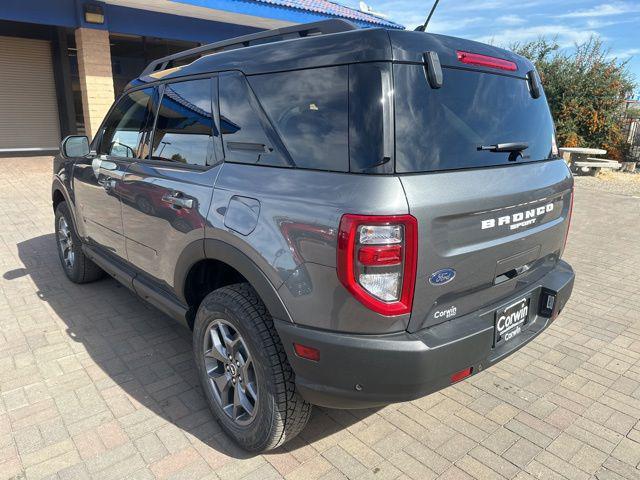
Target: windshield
<point x="443" y="129"/>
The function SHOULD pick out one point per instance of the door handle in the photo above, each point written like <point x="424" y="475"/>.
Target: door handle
<point x="108" y="183"/>
<point x="177" y="199"/>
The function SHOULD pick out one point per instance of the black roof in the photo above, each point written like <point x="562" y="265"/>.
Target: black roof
<point x="342" y="43"/>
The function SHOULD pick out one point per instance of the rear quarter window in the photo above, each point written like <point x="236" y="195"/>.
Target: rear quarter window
<point x="441" y="129"/>
<point x="246" y="133"/>
<point x="309" y="109"/>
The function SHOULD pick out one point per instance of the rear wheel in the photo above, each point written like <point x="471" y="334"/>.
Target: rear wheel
<point x="246" y="377"/>
<point x="76" y="265"/>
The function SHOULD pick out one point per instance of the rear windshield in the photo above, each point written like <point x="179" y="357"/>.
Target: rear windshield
<point x="441" y="129"/>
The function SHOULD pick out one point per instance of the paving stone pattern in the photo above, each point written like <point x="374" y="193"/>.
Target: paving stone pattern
<point x="96" y="384"/>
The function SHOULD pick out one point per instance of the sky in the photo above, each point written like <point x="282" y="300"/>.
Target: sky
<point x="503" y="22"/>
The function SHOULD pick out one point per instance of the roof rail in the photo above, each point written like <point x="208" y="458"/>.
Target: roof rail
<point x="323" y="27"/>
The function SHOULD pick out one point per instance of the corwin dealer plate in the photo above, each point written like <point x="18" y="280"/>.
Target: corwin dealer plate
<point x="510" y="321"/>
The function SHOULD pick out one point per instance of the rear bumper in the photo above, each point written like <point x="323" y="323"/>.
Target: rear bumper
<point x="404" y="366"/>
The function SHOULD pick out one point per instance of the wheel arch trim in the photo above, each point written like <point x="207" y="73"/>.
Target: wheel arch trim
<point x="211" y="249"/>
<point x="58" y="186"/>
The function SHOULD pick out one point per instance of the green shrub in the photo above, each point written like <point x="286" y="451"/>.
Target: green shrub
<point x="586" y="89"/>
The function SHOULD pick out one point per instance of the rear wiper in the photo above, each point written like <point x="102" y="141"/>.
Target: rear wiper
<point x="505" y="147"/>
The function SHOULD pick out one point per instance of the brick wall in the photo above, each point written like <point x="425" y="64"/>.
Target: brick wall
<point x="96" y="78"/>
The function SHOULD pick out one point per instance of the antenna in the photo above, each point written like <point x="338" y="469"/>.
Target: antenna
<point x="423" y="28"/>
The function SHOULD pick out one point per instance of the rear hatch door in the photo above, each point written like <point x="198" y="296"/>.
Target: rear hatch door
<point x="490" y="222"/>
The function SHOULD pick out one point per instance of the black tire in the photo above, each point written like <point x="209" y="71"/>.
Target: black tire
<point x="280" y="412"/>
<point x="80" y="269"/>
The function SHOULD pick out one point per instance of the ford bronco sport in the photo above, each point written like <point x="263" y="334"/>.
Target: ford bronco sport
<point x="343" y="217"/>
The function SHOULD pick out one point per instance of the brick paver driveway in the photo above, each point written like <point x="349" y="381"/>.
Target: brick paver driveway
<point x="95" y="384"/>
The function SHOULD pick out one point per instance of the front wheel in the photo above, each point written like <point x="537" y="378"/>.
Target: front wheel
<point x="77" y="266"/>
<point x="246" y="377"/>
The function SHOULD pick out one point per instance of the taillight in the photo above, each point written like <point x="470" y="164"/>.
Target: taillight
<point x="486" y="61"/>
<point x="566" y="235"/>
<point x="377" y="257"/>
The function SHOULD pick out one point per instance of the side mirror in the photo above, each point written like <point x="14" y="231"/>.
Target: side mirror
<point x="75" y="146"/>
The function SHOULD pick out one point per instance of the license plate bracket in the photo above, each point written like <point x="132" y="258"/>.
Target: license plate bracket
<point x="510" y="320"/>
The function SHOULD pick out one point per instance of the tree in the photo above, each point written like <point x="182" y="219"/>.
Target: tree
<point x="586" y="89"/>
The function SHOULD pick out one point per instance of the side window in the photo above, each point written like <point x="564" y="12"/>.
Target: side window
<point x="185" y="128"/>
<point x="310" y="111"/>
<point x="124" y="132"/>
<point x="245" y="131"/>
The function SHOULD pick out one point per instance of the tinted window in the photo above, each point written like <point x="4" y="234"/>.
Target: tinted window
<point x="440" y="129"/>
<point x="184" y="128"/>
<point x="310" y="111"/>
<point x="124" y="131"/>
<point x="245" y="129"/>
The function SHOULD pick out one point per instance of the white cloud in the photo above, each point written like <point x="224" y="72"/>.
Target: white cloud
<point x="481" y="6"/>
<point x="624" y="54"/>
<point x="478" y="5"/>
<point x="511" y="20"/>
<point x="566" y="36"/>
<point x="603" y="10"/>
<point x="448" y="26"/>
<point x="596" y="23"/>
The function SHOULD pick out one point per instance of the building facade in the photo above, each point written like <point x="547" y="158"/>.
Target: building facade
<point x="62" y="62"/>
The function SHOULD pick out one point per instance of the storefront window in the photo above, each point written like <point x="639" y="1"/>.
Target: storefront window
<point x="131" y="54"/>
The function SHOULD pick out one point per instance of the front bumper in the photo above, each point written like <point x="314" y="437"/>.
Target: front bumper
<point x="360" y="371"/>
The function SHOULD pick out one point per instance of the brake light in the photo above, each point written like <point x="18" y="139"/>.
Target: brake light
<point x="486" y="61"/>
<point x="376" y="261"/>
<point x="566" y="235"/>
<point x="378" y="256"/>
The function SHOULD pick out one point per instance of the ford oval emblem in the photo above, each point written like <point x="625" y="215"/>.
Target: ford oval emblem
<point x="442" y="276"/>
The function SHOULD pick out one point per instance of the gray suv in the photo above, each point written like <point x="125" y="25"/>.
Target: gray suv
<point x="343" y="217"/>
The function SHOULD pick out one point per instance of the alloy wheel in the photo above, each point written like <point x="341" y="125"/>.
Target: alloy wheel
<point x="231" y="372"/>
<point x="65" y="242"/>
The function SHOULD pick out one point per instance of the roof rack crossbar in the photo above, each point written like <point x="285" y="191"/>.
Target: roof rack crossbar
<point x="323" y="27"/>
